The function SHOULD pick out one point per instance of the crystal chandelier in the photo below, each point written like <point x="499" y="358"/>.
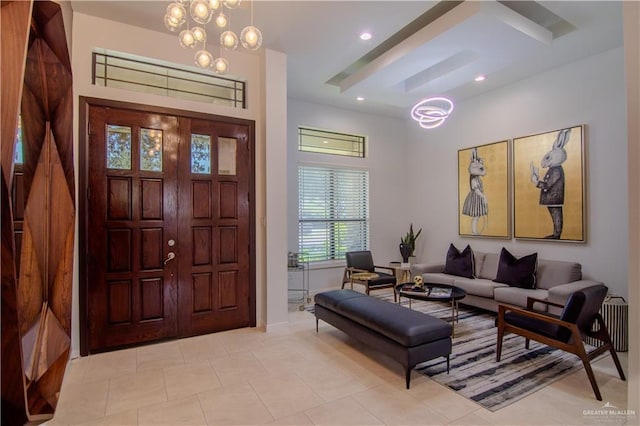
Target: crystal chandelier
<point x="201" y="12"/>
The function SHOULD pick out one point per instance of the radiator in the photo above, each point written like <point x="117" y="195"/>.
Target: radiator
<point x="615" y="312"/>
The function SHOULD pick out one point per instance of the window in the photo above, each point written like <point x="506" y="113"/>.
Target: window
<point x="139" y="74"/>
<point x="19" y="157"/>
<point x="325" y="142"/>
<point x="333" y="211"/>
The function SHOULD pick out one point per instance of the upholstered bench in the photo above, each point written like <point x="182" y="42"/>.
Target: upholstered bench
<point x="409" y="337"/>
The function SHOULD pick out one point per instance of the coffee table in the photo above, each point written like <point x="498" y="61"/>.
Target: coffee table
<point x="434" y="292"/>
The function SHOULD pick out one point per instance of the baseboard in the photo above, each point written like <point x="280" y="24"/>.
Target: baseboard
<point x="279" y="326"/>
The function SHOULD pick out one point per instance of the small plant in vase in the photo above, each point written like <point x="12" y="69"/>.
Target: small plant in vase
<point x="408" y="244"/>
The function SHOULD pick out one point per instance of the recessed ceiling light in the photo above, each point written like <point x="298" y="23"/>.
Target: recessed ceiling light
<point x="359" y="98"/>
<point x="480" y="78"/>
<point x="365" y="36"/>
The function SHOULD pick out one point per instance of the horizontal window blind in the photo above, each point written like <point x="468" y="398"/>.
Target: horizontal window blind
<point x="333" y="211"/>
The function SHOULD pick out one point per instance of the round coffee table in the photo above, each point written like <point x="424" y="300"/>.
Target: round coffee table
<point x="434" y="292"/>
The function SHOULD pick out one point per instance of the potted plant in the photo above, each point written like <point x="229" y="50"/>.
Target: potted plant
<point x="408" y="244"/>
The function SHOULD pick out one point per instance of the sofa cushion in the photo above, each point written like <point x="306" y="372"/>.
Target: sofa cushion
<point x="459" y="263"/>
<point x="478" y="287"/>
<point x="438" y="278"/>
<point x="332" y="299"/>
<point x="478" y="262"/>
<point x="517" y="272"/>
<point x="551" y="273"/>
<point x="560" y="293"/>
<point x="489" y="267"/>
<point x="518" y="296"/>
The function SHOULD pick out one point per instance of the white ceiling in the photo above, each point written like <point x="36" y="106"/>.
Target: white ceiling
<point x="321" y="41"/>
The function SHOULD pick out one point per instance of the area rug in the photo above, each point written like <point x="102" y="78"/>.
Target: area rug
<point x="475" y="374"/>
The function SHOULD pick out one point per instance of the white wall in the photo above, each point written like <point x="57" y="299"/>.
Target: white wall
<point x="90" y="32"/>
<point x="386" y="160"/>
<point x="591" y="92"/>
<point x="632" y="68"/>
<point x="275" y="183"/>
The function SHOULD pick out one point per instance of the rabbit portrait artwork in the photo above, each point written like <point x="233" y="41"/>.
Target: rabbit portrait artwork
<point x="552" y="185"/>
<point x="475" y="204"/>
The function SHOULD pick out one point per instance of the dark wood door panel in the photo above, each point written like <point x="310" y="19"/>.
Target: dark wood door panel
<point x="199" y="201"/>
<point x="228" y="200"/>
<point x="119" y="245"/>
<point x="119" y="198"/>
<point x="132" y="205"/>
<point x="214" y="268"/>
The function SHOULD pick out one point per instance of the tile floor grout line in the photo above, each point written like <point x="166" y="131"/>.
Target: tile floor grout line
<point x="273" y="418"/>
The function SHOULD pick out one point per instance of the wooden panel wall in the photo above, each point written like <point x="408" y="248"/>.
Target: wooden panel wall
<point x="42" y="291"/>
<point x="15" y="19"/>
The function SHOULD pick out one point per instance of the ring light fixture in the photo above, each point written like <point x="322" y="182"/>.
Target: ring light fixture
<point x="432" y="112"/>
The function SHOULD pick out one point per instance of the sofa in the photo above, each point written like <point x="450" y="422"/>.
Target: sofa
<point x="554" y="281"/>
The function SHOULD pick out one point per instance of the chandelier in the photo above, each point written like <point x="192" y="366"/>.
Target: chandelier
<point x="194" y="35"/>
<point x="432" y="112"/>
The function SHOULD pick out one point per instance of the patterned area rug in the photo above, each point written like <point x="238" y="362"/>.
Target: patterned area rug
<point x="475" y="374"/>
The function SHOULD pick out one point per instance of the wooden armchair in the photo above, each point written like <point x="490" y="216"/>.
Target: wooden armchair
<point x="565" y="332"/>
<point x="361" y="270"/>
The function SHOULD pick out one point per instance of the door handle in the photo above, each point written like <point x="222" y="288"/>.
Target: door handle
<point x="170" y="256"/>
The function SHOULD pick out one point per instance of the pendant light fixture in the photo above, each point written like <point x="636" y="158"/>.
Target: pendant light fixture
<point x="201" y="12"/>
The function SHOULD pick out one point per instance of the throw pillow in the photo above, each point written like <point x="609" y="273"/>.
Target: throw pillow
<point x="517" y="272"/>
<point x="459" y="263"/>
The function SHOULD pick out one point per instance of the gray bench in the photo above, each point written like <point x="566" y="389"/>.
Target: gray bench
<point x="409" y="337"/>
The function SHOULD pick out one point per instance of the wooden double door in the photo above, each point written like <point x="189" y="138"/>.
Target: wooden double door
<point x="168" y="226"/>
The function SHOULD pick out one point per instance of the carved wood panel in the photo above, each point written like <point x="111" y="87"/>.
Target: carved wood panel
<point x="38" y="300"/>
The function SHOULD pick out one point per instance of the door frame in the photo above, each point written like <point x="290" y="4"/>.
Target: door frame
<point x="83" y="168"/>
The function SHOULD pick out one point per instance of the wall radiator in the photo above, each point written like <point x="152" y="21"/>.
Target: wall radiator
<point x="615" y="312"/>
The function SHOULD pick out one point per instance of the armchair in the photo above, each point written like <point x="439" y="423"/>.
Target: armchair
<point x="566" y="331"/>
<point x="362" y="261"/>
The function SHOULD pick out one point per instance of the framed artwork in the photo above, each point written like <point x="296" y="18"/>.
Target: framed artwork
<point x="549" y="186"/>
<point x="483" y="191"/>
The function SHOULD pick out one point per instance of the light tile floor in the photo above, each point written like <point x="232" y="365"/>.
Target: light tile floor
<point x="299" y="377"/>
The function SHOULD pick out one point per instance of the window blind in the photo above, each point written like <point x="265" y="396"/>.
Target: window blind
<point x="333" y="211"/>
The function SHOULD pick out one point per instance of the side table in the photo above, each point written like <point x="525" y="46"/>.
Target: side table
<point x="403" y="273"/>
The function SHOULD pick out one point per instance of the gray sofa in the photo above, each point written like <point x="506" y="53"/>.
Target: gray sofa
<point x="555" y="281"/>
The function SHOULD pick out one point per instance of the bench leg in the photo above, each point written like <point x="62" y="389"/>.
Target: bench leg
<point x="316" y="324"/>
<point x="408" y="375"/>
<point x="447" y="364"/>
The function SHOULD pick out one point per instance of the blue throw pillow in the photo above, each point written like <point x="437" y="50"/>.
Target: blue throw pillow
<point x="517" y="272"/>
<point x="459" y="263"/>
